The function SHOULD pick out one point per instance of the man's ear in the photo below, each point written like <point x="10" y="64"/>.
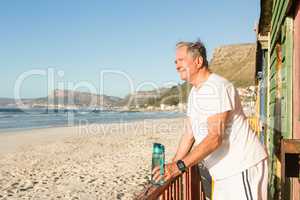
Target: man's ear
<point x="200" y="62"/>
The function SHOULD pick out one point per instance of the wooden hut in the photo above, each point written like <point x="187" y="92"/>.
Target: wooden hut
<point x="278" y="75"/>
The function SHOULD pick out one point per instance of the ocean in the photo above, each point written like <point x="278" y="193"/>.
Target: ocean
<point x="12" y="119"/>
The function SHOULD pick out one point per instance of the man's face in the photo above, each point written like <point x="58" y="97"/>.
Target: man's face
<point x="185" y="65"/>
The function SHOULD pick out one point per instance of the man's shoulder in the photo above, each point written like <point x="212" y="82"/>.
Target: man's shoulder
<point x="220" y="79"/>
<point x="220" y="82"/>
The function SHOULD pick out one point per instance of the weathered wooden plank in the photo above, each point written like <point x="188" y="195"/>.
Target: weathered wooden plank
<point x="287" y="76"/>
<point x="291" y="146"/>
<point x="275" y="2"/>
<point x="266" y="77"/>
<point x="283" y="127"/>
<point x="272" y="77"/>
<point x="284" y="74"/>
<point x="296" y="73"/>
<point x="296" y="88"/>
<point x="283" y="31"/>
<point x="283" y="53"/>
<point x="273" y="59"/>
<point x="282" y="9"/>
<point x="273" y="83"/>
<point x="276" y="21"/>
<point x="272" y="96"/>
<point x="276" y="5"/>
<point x="271" y="110"/>
<point x="277" y="11"/>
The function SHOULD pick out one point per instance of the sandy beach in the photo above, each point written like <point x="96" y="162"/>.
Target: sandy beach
<point x="97" y="161"/>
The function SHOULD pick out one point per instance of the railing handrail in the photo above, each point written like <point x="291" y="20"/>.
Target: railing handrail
<point x="153" y="192"/>
<point x="186" y="186"/>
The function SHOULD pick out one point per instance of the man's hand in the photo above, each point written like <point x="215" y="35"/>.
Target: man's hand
<point x="170" y="171"/>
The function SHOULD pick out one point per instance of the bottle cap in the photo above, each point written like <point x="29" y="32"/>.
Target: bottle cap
<point x="158" y="148"/>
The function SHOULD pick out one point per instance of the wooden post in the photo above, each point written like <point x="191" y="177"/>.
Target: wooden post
<point x="296" y="88"/>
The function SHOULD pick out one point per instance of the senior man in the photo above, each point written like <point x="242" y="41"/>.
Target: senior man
<point x="218" y="128"/>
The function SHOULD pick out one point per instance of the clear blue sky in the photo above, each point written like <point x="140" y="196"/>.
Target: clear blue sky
<point x="138" y="37"/>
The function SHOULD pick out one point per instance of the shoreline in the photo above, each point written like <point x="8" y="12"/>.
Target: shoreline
<point x="113" y="162"/>
<point x="75" y="122"/>
<point x="15" y="130"/>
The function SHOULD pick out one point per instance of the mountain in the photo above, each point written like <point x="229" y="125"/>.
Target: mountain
<point x="143" y="97"/>
<point x="76" y="98"/>
<point x="176" y="94"/>
<point x="168" y="96"/>
<point x="65" y="98"/>
<point x="236" y="63"/>
<point x="6" y="102"/>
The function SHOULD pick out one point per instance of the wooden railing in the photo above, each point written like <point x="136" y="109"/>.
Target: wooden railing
<point x="187" y="186"/>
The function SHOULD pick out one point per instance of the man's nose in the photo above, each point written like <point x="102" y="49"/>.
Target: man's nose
<point x="178" y="65"/>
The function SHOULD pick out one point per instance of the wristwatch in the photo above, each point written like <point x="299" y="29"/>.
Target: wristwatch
<point x="181" y="166"/>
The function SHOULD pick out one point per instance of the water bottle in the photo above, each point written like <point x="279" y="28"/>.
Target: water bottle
<point x="158" y="159"/>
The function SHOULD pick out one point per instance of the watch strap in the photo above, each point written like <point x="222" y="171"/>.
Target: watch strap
<point x="181" y="165"/>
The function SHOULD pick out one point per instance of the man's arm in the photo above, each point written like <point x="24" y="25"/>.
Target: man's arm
<point x="186" y="142"/>
<point x="216" y="129"/>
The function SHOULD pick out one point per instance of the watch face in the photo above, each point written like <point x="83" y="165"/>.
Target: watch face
<point x="181" y="165"/>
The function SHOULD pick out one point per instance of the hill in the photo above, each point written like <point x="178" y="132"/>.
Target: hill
<point x="236" y="63"/>
<point x="65" y="98"/>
